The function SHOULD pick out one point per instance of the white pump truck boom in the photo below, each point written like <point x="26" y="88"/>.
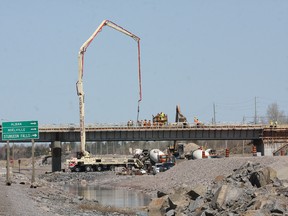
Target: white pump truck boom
<point x="79" y="86"/>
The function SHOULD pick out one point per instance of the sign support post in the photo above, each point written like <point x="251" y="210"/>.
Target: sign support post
<point x="20" y="130"/>
<point x="19" y="162"/>
<point x="8" y="181"/>
<point x="33" y="163"/>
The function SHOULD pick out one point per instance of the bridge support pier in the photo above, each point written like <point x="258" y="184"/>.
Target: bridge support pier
<point x="260" y="147"/>
<point x="267" y="147"/>
<point x="56" y="156"/>
<point x="272" y="147"/>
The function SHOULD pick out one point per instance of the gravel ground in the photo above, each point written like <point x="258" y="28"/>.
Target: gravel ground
<point x="48" y="198"/>
<point x="191" y="173"/>
<point x="16" y="201"/>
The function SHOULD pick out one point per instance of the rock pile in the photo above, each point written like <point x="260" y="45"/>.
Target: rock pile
<point x="249" y="191"/>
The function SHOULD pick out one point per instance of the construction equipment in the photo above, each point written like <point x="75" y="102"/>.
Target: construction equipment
<point x="160" y="119"/>
<point x="157" y="156"/>
<point x="150" y="158"/>
<point x="102" y="163"/>
<point x="179" y="116"/>
<point x="79" y="84"/>
<point x="201" y="154"/>
<point x="84" y="161"/>
<point x="181" y="121"/>
<point x="176" y="149"/>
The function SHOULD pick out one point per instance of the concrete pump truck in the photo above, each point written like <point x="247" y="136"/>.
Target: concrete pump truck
<point x="84" y="161"/>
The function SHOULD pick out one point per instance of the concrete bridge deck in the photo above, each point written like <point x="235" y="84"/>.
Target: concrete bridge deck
<point x="272" y="137"/>
<point x="71" y="133"/>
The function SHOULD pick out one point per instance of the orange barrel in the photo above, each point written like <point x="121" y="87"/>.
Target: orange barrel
<point x="282" y="152"/>
<point x="227" y="152"/>
<point x="203" y="155"/>
<point x="254" y="150"/>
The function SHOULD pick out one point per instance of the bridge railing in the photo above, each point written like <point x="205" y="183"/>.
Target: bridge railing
<point x="125" y="126"/>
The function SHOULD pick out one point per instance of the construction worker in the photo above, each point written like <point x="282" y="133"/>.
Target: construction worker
<point x="130" y="123"/>
<point x="149" y="123"/>
<point x="162" y="116"/>
<point x="271" y="123"/>
<point x="139" y="123"/>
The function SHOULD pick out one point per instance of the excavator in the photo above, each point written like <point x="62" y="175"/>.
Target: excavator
<point x="174" y="148"/>
<point x="180" y="118"/>
<point x="79" y="86"/>
<point x="162" y="119"/>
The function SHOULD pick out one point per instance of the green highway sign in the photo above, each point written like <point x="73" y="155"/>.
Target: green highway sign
<point x="21" y="130"/>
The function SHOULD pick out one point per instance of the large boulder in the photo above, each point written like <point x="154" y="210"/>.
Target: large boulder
<point x="249" y="191"/>
<point x="271" y="203"/>
<point x="159" y="206"/>
<point x="256" y="213"/>
<point x="199" y="190"/>
<point x="263" y="177"/>
<point x="226" y="196"/>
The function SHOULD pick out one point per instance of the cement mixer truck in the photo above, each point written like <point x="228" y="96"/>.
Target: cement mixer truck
<point x="200" y="154"/>
<point x="157" y="156"/>
<point x="154" y="158"/>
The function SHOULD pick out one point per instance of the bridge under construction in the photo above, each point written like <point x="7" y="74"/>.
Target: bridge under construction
<point x="268" y="140"/>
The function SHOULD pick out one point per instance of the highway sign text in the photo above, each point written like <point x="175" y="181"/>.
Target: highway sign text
<point x="21" y="130"/>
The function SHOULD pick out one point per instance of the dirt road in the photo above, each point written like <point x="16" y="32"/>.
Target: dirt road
<point x="16" y="201"/>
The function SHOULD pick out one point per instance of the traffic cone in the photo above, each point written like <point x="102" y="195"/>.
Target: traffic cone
<point x="227" y="152"/>
<point x="254" y="150"/>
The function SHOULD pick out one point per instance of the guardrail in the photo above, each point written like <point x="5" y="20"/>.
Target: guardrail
<point x="122" y="126"/>
<point x="139" y="127"/>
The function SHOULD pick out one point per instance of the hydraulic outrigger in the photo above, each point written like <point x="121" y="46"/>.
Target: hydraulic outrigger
<point x="79" y="84"/>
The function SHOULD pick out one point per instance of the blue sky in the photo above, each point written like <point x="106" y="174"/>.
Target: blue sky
<point x="193" y="53"/>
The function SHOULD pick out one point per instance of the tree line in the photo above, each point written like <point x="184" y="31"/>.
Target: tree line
<point x="274" y="114"/>
<point x="23" y="150"/>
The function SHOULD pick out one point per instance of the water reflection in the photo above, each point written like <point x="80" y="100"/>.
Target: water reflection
<point x="110" y="196"/>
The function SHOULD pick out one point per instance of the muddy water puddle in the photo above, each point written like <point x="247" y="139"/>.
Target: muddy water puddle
<point x="120" y="198"/>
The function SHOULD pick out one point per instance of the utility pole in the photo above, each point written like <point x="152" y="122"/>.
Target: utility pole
<point x="255" y="114"/>
<point x="214" y="114"/>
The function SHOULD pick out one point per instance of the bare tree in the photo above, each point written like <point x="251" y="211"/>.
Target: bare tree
<point x="275" y="114"/>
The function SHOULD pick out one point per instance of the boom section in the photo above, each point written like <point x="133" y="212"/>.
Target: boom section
<point x="79" y="84"/>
